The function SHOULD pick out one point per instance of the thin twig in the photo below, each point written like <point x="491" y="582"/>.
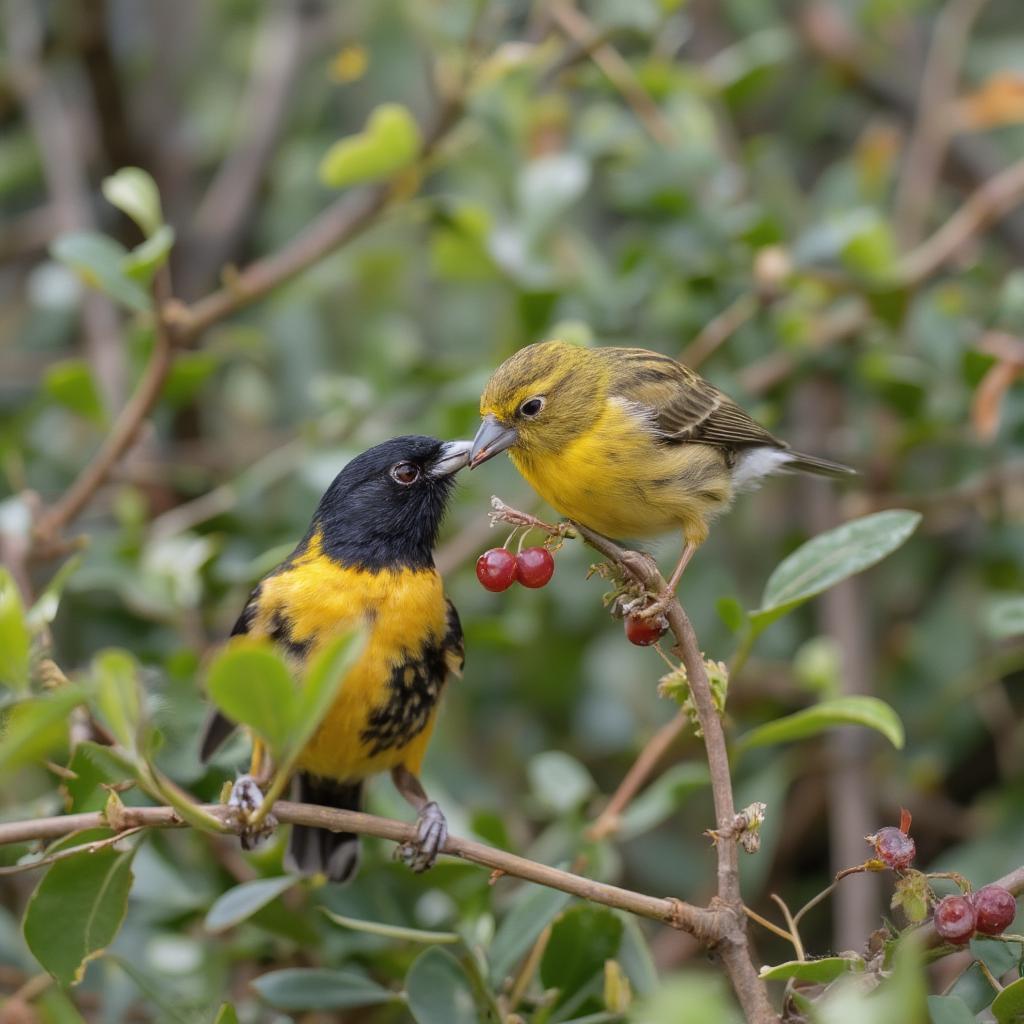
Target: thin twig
<point x="699" y="921"/>
<point x="986" y="205"/>
<point x="765" y="923"/>
<point x="719" y="329"/>
<point x="71" y="851"/>
<point x="607" y="822"/>
<point x="579" y="28"/>
<point x="934" y="127"/>
<point x="333" y="227"/>
<point x="794" y="934"/>
<point x="122" y="436"/>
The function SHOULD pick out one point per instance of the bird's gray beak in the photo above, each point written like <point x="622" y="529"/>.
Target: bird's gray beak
<point x="454" y="456"/>
<point x="491" y="439"/>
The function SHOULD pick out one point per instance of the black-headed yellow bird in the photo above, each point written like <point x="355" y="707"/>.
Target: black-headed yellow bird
<point x="627" y="442"/>
<point x="367" y="559"/>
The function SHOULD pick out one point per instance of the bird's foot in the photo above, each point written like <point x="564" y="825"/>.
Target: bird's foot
<point x="420" y="853"/>
<point x="655" y="609"/>
<point x="245" y="800"/>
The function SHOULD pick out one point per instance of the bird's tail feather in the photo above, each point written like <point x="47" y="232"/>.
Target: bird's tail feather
<point x="313" y="851"/>
<point x="216" y="730"/>
<point x="801" y="463"/>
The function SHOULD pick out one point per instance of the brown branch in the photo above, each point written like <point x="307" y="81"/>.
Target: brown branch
<point x="731" y="944"/>
<point x="933" y="130"/>
<point x="123" y="434"/>
<point x="719" y="329"/>
<point x="699" y="921"/>
<point x="997" y="197"/>
<point x="607" y="822"/>
<point x="223" y="214"/>
<point x="333" y="227"/>
<point x="578" y="27"/>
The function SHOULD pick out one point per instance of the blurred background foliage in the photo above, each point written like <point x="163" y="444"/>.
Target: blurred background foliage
<point x="736" y="183"/>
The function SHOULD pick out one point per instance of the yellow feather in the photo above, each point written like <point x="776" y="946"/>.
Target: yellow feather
<point x="404" y="610"/>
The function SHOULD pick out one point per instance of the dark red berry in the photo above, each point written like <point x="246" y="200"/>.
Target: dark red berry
<point x="893" y="847"/>
<point x="536" y="567"/>
<point x="497" y="569"/>
<point x="955" y="919"/>
<point x="995" y="908"/>
<point x="644" y="632"/>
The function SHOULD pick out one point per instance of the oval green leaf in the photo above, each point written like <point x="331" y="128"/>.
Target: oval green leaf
<point x="97" y="260"/>
<point x="242" y="901"/>
<point x="389" y="143"/>
<point x="559" y="781"/>
<point x="866" y="711"/>
<point x="820" y="971"/>
<point x="535" y="908"/>
<point x="1008" y="1006"/>
<point x="149" y="256"/>
<point x="391" y="931"/>
<point x="133" y="191"/>
<point x="581" y="940"/>
<point x="117" y="698"/>
<point x="830" y="557"/>
<point x="252" y="685"/>
<point x="32" y="729"/>
<point x="439" y="991"/>
<point x="949" y="1010"/>
<point x="1004" y="617"/>
<point x="77" y="910"/>
<point x="314" y="988"/>
<point x="70" y="382"/>
<point x="15" y="638"/>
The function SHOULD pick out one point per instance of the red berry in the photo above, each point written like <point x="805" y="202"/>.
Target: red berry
<point x="643" y="632"/>
<point x="955" y="919"/>
<point x="995" y="908"/>
<point x="893" y="847"/>
<point x="496" y="569"/>
<point x="536" y="567"/>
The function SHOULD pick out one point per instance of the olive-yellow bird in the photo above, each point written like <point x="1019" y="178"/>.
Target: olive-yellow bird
<point x="629" y="443"/>
<point x="367" y="560"/>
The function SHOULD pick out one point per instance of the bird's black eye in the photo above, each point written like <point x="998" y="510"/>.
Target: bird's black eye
<point x="532" y="406"/>
<point x="405" y="473"/>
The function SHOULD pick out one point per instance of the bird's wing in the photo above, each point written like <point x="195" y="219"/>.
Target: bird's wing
<point x="452" y="644"/>
<point x="218" y="728"/>
<point x="685" y="407"/>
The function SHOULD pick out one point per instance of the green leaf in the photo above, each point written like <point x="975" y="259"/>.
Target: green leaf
<point x="321" y="684"/>
<point x="242" y="901"/>
<point x="580" y="942"/>
<point x="252" y="685"/>
<point x="314" y="988"/>
<point x="149" y="256"/>
<point x="389" y="142"/>
<point x="226" y="1015"/>
<point x="949" y="1010"/>
<point x="439" y="991"/>
<point x="118" y="701"/>
<point x="1008" y="1006"/>
<point x="820" y="971"/>
<point x="98" y="260"/>
<point x="15" y="638"/>
<point x="70" y="382"/>
<point x="662" y="798"/>
<point x="830" y="557"/>
<point x="1004" y="617"/>
<point x="867" y="711"/>
<point x="636" y="958"/>
<point x="534" y="909"/>
<point x="732" y="613"/>
<point x="94" y="765"/>
<point x="77" y="910"/>
<point x="133" y="191"/>
<point x="391" y="931"/>
<point x="32" y="729"/>
<point x="559" y="781"/>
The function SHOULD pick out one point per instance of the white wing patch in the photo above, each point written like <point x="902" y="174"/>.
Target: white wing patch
<point x="756" y="463"/>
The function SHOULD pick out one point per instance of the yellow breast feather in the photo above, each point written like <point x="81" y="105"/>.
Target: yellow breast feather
<point x="384" y="713"/>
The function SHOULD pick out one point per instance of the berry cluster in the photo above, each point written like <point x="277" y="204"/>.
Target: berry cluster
<point x="497" y="569"/>
<point x="987" y="911"/>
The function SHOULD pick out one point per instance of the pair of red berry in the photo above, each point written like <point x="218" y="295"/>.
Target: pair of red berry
<point x="988" y="911"/>
<point x="498" y="568"/>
